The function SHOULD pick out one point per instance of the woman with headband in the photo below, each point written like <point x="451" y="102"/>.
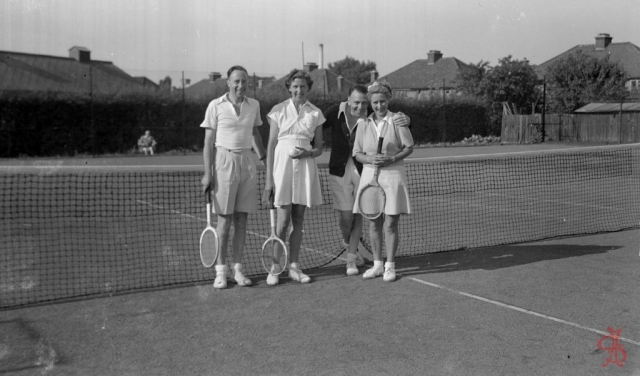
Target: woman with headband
<point x="397" y="145"/>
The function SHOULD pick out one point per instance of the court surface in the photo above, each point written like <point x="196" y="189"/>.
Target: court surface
<point x="537" y="308"/>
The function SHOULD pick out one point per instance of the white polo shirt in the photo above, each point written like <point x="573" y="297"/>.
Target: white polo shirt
<point x="234" y="132"/>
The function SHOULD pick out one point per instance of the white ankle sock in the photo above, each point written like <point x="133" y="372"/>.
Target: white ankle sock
<point x="377" y="263"/>
<point x="388" y="265"/>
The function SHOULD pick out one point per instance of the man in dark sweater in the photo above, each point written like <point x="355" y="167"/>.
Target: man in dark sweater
<point x="345" y="171"/>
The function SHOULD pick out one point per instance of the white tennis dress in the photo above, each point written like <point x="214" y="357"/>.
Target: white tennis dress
<point x="296" y="181"/>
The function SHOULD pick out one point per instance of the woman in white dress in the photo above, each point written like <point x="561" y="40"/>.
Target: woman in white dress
<point x="295" y="139"/>
<point x="397" y="145"/>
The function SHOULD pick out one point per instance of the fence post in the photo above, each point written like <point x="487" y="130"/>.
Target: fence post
<point x="544" y="104"/>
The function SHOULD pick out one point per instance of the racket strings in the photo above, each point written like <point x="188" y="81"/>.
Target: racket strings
<point x="274" y="253"/>
<point x="209" y="247"/>
<point x="372" y="201"/>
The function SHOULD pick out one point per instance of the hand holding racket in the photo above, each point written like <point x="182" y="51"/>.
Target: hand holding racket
<point x="274" y="251"/>
<point x="372" y="198"/>
<point x="209" y="238"/>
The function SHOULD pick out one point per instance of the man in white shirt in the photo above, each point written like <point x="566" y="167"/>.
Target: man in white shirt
<point x="230" y="172"/>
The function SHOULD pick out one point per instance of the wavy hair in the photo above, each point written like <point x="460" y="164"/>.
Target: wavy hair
<point x="298" y="73"/>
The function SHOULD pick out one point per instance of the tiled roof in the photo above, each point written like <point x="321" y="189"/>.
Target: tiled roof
<point x="627" y="54"/>
<point x="419" y="75"/>
<point x="214" y="89"/>
<point x="320" y="84"/>
<point x="610" y="107"/>
<point x="22" y="72"/>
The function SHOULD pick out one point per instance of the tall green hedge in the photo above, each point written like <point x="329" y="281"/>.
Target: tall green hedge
<point x="67" y="125"/>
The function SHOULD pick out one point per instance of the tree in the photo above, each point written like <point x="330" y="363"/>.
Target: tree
<point x="471" y="79"/>
<point x="165" y="84"/>
<point x="353" y="70"/>
<point x="511" y="81"/>
<point x="580" y="79"/>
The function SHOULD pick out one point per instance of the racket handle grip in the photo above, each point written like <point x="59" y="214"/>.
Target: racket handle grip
<point x="272" y="214"/>
<point x="380" y="140"/>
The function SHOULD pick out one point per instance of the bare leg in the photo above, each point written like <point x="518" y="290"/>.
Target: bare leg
<point x="223" y="228"/>
<point x="375" y="233"/>
<point x="239" y="235"/>
<point x="391" y="235"/>
<point x="351" y="226"/>
<point x="295" y="239"/>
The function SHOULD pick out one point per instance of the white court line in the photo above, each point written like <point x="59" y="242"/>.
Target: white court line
<point x="553" y="201"/>
<point x="523" y="310"/>
<point x="248" y="232"/>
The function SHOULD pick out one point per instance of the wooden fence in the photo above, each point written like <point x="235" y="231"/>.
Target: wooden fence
<point x="601" y="128"/>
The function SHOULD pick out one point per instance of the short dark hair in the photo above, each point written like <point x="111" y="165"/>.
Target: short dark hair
<point x="297" y="73"/>
<point x="236" y="67"/>
<point x="359" y="88"/>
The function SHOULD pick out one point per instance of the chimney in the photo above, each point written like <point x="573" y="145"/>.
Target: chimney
<point x="310" y="67"/>
<point x="434" y="56"/>
<point x="80" y="54"/>
<point x="340" y="83"/>
<point x="214" y="76"/>
<point x="260" y="83"/>
<point x="374" y="76"/>
<point x="602" y="41"/>
<point x="321" y="56"/>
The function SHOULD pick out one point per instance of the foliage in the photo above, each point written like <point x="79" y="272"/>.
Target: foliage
<point x="580" y="79"/>
<point x="471" y="79"/>
<point x="353" y="70"/>
<point x="511" y="81"/>
<point x="45" y="124"/>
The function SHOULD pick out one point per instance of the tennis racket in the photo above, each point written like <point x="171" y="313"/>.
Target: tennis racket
<point x="209" y="238"/>
<point x="274" y="251"/>
<point x="372" y="197"/>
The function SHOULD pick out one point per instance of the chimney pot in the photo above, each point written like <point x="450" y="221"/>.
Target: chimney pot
<point x="310" y="67"/>
<point x="374" y="76"/>
<point x="80" y="54"/>
<point x="434" y="56"/>
<point x="214" y="76"/>
<point x="321" y="56"/>
<point x="602" y="41"/>
<point x="340" y="83"/>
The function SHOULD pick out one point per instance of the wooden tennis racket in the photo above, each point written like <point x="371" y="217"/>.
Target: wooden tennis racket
<point x="275" y="255"/>
<point x="372" y="198"/>
<point x="209" y="239"/>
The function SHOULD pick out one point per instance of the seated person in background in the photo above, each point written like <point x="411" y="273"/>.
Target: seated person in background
<point x="147" y="143"/>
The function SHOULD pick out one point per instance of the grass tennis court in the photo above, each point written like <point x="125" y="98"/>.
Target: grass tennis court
<point x="533" y="308"/>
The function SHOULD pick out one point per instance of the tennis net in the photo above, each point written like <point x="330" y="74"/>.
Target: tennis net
<point x="75" y="232"/>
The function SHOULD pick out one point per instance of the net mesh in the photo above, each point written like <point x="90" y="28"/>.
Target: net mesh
<point x="74" y="233"/>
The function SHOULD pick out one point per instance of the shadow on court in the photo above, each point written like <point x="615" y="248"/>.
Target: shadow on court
<point x="490" y="258"/>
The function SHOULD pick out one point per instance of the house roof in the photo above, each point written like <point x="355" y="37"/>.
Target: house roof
<point x="324" y="81"/>
<point x="214" y="89"/>
<point x="421" y="75"/>
<point x="610" y="107"/>
<point x="627" y="54"/>
<point x="23" y="72"/>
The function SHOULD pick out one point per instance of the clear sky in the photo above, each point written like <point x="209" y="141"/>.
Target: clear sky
<point x="156" y="38"/>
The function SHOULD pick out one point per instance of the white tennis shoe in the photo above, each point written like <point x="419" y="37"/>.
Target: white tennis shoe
<point x="274" y="278"/>
<point x="371" y="273"/>
<point x="297" y="275"/>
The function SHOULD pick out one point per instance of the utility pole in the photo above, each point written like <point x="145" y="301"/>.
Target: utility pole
<point x="444" y="114"/>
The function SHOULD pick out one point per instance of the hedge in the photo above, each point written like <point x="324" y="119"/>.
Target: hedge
<point x="66" y="125"/>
